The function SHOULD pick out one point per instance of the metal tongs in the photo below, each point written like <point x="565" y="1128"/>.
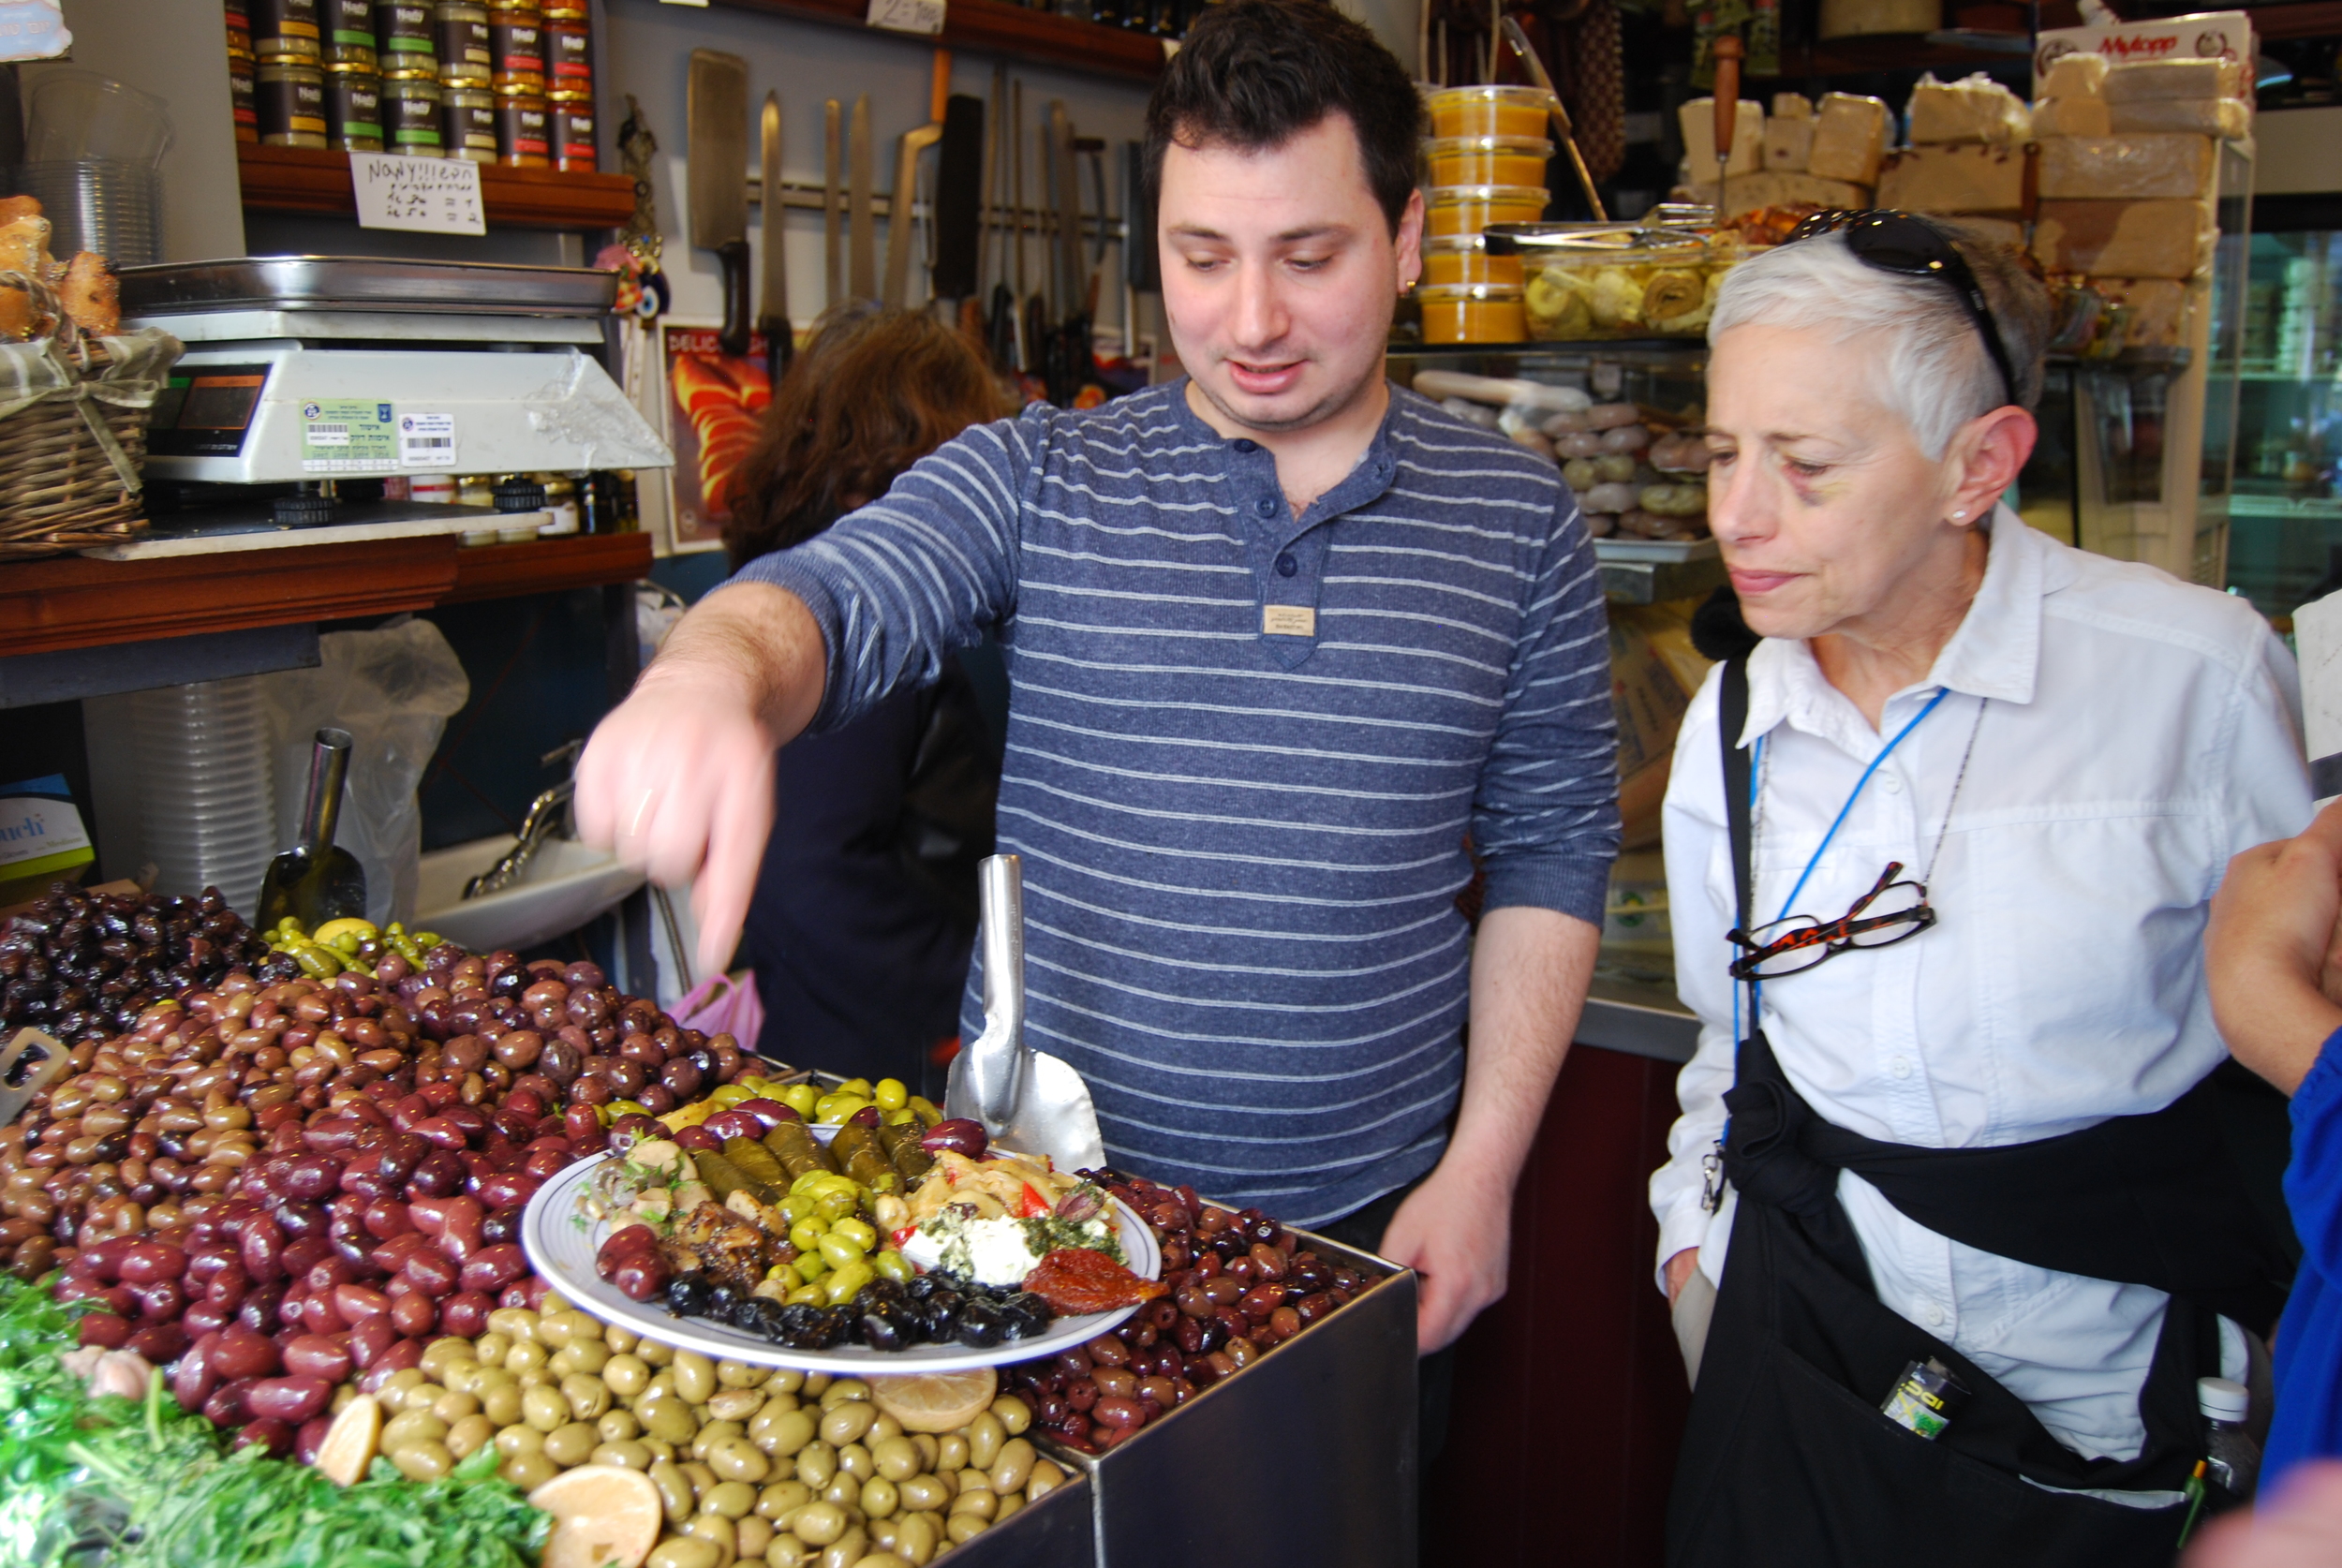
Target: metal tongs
<point x="547" y="818"/>
<point x="1028" y="1101"/>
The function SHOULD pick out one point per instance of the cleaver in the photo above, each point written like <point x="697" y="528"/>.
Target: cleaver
<point x="1028" y="1101"/>
<point x="718" y="182"/>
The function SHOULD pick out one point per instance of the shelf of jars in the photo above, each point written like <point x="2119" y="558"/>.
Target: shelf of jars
<point x="303" y="180"/>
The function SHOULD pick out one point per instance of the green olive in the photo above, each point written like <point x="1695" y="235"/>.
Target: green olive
<point x="786" y="1380"/>
<point x="1010" y="1504"/>
<point x="451" y="1406"/>
<point x="571" y="1444"/>
<point x="1044" y="1479"/>
<point x="669" y="1419"/>
<point x="735" y="1458"/>
<point x="422" y="1460"/>
<point x="854" y="1460"/>
<point x="925" y="1494"/>
<point x="930" y="1451"/>
<point x="733" y="1499"/>
<point x="1012" y="1466"/>
<point x="817" y="1462"/>
<point x="787" y="1551"/>
<point x="627" y="1375"/>
<point x="951" y="1454"/>
<point x="738" y="1374"/>
<point x="490" y="1348"/>
<point x="674" y="1491"/>
<point x="848" y="1550"/>
<point x="555" y="1329"/>
<point x="896" y="1458"/>
<point x="843" y="1490"/>
<point x="462" y="1376"/>
<point x="589" y="1400"/>
<point x="516" y="1439"/>
<point x="579" y="1355"/>
<point x="685" y="1551"/>
<point x="818" y="1524"/>
<point x="413" y="1426"/>
<point x="711" y="1433"/>
<point x="468" y="1434"/>
<point x="879" y="1497"/>
<point x="715" y="1527"/>
<point x="962" y="1528"/>
<point x="984" y="1437"/>
<point x="777" y="1499"/>
<point x="526" y="1356"/>
<point x="528" y="1472"/>
<point x="755" y="1536"/>
<point x="516" y="1323"/>
<point x="439" y="1352"/>
<point x="914" y="1538"/>
<point x="1013" y="1414"/>
<point x="654" y="1354"/>
<point x="702" y="1478"/>
<point x="848" y="1422"/>
<point x="620" y="1340"/>
<point x="837" y="1392"/>
<point x="617" y="1426"/>
<point x="735" y="1404"/>
<point x="630" y="1456"/>
<point x="980" y="1501"/>
<point x="423" y="1396"/>
<point x="783" y="1434"/>
<point x="694" y="1377"/>
<point x="544" y="1408"/>
<point x="502" y="1404"/>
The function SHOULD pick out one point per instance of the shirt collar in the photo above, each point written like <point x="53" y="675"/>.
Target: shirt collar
<point x="1373" y="473"/>
<point x="1995" y="653"/>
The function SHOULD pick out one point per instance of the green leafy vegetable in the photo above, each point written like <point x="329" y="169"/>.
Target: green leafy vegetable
<point x="145" y="1484"/>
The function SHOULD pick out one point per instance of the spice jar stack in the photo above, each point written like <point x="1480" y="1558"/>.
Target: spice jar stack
<point x="507" y="81"/>
<point x="1486" y="155"/>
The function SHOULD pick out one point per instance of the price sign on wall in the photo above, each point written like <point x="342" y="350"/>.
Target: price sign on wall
<point x="33" y="30"/>
<point x="923" y="17"/>
<point x="430" y="196"/>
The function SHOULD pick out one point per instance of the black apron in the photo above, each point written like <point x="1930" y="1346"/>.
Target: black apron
<point x="1788" y="1458"/>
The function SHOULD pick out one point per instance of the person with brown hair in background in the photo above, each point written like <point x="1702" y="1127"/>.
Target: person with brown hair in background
<point x="864" y="908"/>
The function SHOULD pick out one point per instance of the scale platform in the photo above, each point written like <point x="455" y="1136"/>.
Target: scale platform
<point x="238" y="527"/>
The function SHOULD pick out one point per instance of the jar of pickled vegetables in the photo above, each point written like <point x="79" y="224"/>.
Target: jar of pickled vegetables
<point x="1598" y="280"/>
<point x="1473" y="313"/>
<point x="1451" y="260"/>
<point x="1488" y="160"/>
<point x="1469" y="209"/>
<point x="1490" y="112"/>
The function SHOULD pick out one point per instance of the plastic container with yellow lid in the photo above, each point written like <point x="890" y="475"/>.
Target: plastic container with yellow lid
<point x="1488" y="160"/>
<point x="1470" y="209"/>
<point x="1615" y="280"/>
<point x="1451" y="259"/>
<point x="1473" y="313"/>
<point x="1490" y="111"/>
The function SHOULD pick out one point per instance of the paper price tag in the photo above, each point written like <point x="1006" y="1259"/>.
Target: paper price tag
<point x="426" y="440"/>
<point x="430" y="196"/>
<point x="907" y="16"/>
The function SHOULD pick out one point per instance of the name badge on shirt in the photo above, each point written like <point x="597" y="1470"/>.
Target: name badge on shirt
<point x="1288" y="620"/>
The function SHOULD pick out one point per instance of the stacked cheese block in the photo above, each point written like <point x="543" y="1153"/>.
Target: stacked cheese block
<point x="1966" y="157"/>
<point x="1824" y="154"/>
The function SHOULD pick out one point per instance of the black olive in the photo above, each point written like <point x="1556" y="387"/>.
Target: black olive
<point x="1025" y="1315"/>
<point x="919" y="1288"/>
<point x="748" y="1314"/>
<point x="687" y="1296"/>
<point x="980" y="1326"/>
<point x="879" y="1334"/>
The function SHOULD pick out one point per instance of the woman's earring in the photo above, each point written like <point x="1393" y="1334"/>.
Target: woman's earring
<point x="1958" y="516"/>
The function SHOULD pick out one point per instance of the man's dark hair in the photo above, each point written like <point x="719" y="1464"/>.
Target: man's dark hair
<point x="1253" y="74"/>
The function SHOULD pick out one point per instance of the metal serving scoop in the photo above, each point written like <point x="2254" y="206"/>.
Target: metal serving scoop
<point x="1028" y="1101"/>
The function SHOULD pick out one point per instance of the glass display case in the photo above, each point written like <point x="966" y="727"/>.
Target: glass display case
<point x="2286" y="546"/>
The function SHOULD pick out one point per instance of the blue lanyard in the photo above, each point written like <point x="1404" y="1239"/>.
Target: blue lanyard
<point x="1755" y="780"/>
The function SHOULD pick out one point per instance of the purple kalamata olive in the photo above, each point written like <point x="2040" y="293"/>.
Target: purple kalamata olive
<point x="867" y="1116"/>
<point x="734" y="1124"/>
<point x="959" y="1136"/>
<point x="697" y="1138"/>
<point x="640" y="1276"/>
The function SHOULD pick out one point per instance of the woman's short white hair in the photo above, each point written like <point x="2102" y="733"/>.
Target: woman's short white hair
<point x="1930" y="368"/>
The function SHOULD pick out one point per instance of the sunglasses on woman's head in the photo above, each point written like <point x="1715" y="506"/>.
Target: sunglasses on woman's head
<point x="1910" y="247"/>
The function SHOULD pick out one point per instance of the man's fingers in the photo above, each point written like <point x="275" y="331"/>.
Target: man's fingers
<point x="743" y="817"/>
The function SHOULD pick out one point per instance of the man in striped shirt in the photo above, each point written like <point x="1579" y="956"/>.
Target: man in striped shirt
<point x="1278" y="639"/>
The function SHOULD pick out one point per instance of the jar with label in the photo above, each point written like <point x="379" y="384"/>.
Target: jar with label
<point x="462" y="30"/>
<point x="467" y="124"/>
<point x="404" y="40"/>
<point x="238" y="14"/>
<point x="288" y="104"/>
<point x="524" y="131"/>
<point x="569" y="60"/>
<point x="432" y="490"/>
<point x="1473" y="313"/>
<point x="348" y="31"/>
<point x="410" y="118"/>
<point x="516" y="50"/>
<point x="353" y="110"/>
<point x="573" y="136"/>
<point x="239" y="39"/>
<point x="566" y="10"/>
<point x="241" y="95"/>
<point x="561" y="501"/>
<point x="284" y="31"/>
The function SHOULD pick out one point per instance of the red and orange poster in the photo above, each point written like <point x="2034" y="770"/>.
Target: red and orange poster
<point x="715" y="406"/>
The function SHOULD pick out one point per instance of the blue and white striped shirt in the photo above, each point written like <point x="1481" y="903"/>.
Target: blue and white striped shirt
<point x="1244" y="752"/>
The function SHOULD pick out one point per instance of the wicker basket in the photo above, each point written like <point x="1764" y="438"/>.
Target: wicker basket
<point x="73" y="418"/>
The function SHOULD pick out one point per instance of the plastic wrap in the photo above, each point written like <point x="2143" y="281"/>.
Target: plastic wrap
<point x="2133" y="167"/>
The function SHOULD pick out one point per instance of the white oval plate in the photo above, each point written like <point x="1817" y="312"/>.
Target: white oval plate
<point x="561" y="1244"/>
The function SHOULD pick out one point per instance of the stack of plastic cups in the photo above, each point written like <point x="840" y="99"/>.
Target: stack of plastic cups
<point x="92" y="148"/>
<point x="207" y="812"/>
<point x="1487" y="154"/>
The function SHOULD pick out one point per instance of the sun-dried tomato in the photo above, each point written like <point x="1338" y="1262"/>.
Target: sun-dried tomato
<point x="1075" y="1280"/>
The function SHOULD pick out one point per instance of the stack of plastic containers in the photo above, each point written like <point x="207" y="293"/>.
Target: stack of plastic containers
<point x="207" y="811"/>
<point x="1486" y="155"/>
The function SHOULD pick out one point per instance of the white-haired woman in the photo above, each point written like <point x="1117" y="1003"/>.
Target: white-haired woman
<point x="1939" y="847"/>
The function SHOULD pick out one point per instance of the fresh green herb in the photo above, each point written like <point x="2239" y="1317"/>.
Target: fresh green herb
<point x="145" y="1484"/>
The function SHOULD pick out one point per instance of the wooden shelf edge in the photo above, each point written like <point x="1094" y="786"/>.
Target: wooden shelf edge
<point x="548" y="566"/>
<point x="998" y="27"/>
<point x="304" y="180"/>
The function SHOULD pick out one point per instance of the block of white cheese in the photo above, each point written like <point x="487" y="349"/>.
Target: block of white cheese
<point x="2123" y="239"/>
<point x="2232" y="118"/>
<point x="2072" y="116"/>
<point x="2074" y="76"/>
<point x="2155" y="309"/>
<point x="1789" y="144"/>
<point x="1748" y="193"/>
<point x="1959" y="179"/>
<point x="2192" y="78"/>
<point x="1977" y="108"/>
<point x="1849" y="139"/>
<point x="1698" y="121"/>
<point x="2143" y="168"/>
<point x="1792" y="106"/>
